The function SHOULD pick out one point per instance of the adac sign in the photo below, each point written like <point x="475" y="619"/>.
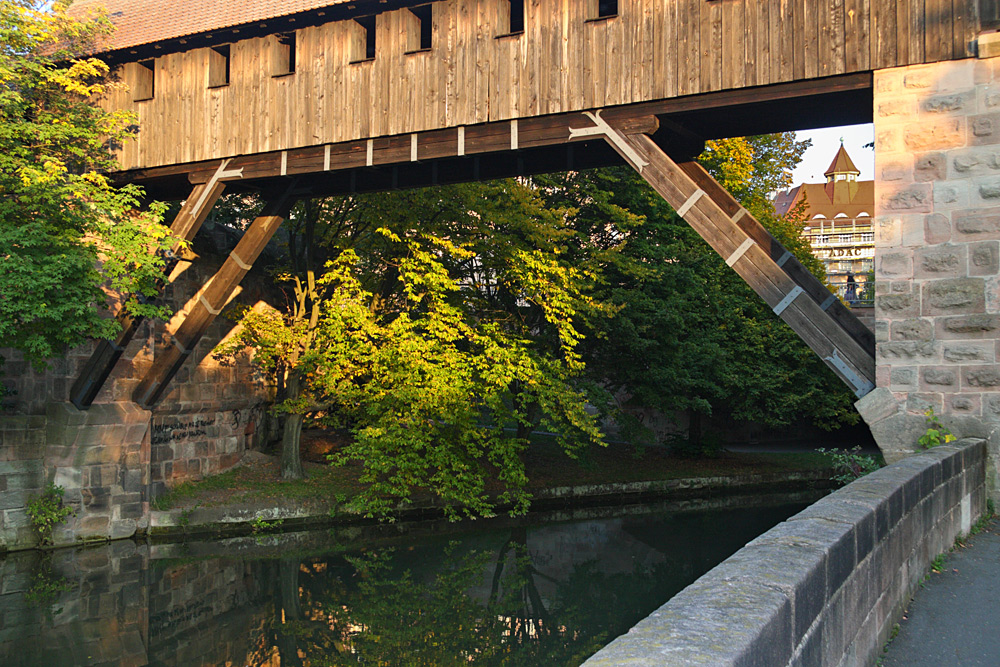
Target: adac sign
<point x="849" y="252"/>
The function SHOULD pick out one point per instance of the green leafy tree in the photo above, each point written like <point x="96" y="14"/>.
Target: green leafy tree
<point x="317" y="231"/>
<point x="440" y="317"/>
<point x="66" y="233"/>
<point x="661" y="351"/>
<point x="772" y="377"/>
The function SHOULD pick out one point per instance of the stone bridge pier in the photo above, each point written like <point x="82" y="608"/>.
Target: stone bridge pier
<point x="937" y="208"/>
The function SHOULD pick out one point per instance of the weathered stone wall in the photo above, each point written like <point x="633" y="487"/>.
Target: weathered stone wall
<point x="114" y="458"/>
<point x="826" y="586"/>
<point x="937" y="236"/>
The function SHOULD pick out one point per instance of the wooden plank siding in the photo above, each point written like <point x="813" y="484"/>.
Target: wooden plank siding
<point x="565" y="60"/>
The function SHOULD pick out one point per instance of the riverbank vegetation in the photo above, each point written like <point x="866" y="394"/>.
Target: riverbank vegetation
<point x="259" y="479"/>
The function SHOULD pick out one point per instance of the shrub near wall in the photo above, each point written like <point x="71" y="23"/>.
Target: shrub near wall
<point x="826" y="586"/>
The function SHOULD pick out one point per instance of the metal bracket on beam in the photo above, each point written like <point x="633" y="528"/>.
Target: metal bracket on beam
<point x="828" y="301"/>
<point x="860" y="385"/>
<point x="691" y="201"/>
<point x="179" y="346"/>
<point x="739" y="252"/>
<point x="219" y="174"/>
<point x="787" y="301"/>
<point x="204" y="302"/>
<point x="239" y="262"/>
<point x="600" y="128"/>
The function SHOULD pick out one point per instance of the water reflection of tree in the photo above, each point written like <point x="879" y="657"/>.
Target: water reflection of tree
<point x="364" y="609"/>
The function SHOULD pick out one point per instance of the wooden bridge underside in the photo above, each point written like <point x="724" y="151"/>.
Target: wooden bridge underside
<point x="658" y="139"/>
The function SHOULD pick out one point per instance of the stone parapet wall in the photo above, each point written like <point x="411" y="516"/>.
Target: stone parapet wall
<point x="826" y="586"/>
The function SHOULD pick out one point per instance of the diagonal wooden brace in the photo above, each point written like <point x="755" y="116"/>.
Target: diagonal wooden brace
<point x="213" y="298"/>
<point x="185" y="225"/>
<point x="802" y="277"/>
<point x="846" y="353"/>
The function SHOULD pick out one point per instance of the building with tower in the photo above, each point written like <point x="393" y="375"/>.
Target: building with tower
<point x="838" y="224"/>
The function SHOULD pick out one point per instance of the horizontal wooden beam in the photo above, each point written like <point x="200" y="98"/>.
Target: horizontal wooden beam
<point x="492" y="137"/>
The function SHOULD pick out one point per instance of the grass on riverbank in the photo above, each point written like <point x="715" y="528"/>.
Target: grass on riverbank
<point x="259" y="478"/>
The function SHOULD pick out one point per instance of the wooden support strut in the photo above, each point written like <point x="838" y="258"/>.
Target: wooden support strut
<point x="214" y="297"/>
<point x="752" y="255"/>
<point x="802" y="277"/>
<point x="183" y="228"/>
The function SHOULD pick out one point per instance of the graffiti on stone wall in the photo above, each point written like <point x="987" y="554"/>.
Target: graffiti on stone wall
<point x="166" y="433"/>
<point x="249" y="418"/>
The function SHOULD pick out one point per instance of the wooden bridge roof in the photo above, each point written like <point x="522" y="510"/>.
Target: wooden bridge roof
<point x="142" y="22"/>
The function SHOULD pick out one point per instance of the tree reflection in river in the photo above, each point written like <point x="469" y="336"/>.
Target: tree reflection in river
<point x="473" y="607"/>
<point x="371" y="613"/>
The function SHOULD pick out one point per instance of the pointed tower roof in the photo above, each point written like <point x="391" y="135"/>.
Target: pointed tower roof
<point x="842" y="164"/>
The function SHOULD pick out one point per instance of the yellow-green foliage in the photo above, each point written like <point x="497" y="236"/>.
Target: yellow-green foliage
<point x="451" y="319"/>
<point x="937" y="433"/>
<point x="47" y="511"/>
<point x="65" y="231"/>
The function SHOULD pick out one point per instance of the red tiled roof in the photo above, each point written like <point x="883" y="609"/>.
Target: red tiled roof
<point x="842" y="164"/>
<point x="829" y="199"/>
<point x="141" y="22"/>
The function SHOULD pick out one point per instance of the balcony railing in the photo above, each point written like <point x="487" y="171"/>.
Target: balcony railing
<point x="818" y="241"/>
<point x="863" y="293"/>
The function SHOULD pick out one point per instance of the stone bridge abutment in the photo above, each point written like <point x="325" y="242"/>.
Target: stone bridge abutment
<point x="937" y="237"/>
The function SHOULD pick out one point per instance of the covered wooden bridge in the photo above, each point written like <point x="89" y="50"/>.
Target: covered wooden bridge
<point x="311" y="97"/>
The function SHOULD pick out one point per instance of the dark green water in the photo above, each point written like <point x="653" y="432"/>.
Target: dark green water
<point x="549" y="589"/>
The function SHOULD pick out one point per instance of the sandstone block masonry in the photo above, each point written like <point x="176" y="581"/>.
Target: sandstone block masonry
<point x="937" y="254"/>
<point x="114" y="458"/>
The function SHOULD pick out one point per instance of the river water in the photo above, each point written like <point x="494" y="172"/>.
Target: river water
<point x="547" y="589"/>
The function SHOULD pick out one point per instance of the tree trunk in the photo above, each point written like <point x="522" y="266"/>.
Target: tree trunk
<point x="694" y="427"/>
<point x="532" y="412"/>
<point x="288" y="612"/>
<point x="291" y="460"/>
